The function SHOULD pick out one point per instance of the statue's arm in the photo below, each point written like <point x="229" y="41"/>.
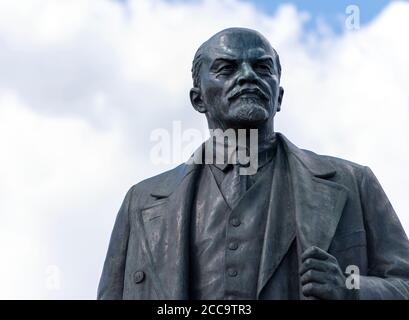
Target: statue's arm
<point x="388" y="245"/>
<point x="112" y="279"/>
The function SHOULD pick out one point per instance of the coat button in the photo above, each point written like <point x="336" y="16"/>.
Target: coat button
<point x="233" y="245"/>
<point x="139" y="276"/>
<point x="232" y="272"/>
<point x="235" y="222"/>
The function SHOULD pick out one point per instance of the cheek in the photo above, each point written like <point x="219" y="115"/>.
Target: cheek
<point x="274" y="89"/>
<point x="213" y="94"/>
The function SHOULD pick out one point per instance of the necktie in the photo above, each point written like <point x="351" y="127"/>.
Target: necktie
<point x="233" y="185"/>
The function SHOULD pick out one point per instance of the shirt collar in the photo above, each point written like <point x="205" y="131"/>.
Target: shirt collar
<point x="265" y="153"/>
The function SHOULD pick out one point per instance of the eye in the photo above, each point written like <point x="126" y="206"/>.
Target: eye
<point x="263" y="68"/>
<point x="226" y="69"/>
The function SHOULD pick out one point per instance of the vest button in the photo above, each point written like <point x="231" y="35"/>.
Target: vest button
<point x="235" y="222"/>
<point x="232" y="272"/>
<point x="139" y="276"/>
<point x="233" y="245"/>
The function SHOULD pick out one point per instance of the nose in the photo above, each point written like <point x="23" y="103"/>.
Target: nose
<point x="246" y="74"/>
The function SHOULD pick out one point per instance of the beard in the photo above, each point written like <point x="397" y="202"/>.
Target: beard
<point x="248" y="110"/>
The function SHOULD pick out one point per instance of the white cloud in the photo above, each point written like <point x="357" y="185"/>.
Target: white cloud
<point x="84" y="82"/>
<point x="57" y="175"/>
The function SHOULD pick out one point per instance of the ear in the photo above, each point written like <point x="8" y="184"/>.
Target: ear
<point x="280" y="98"/>
<point x="196" y="100"/>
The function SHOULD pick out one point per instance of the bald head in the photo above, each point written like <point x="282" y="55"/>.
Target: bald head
<point x="228" y="40"/>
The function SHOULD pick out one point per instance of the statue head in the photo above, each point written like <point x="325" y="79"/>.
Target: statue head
<point x="236" y="80"/>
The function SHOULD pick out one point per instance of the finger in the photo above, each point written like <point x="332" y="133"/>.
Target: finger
<point x="316" y="253"/>
<point x="314" y="264"/>
<point x="313" y="276"/>
<point x="317" y="290"/>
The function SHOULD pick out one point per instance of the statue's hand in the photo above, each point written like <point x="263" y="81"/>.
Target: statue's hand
<point x="322" y="277"/>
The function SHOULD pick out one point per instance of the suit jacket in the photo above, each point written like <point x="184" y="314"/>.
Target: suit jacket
<point x="339" y="207"/>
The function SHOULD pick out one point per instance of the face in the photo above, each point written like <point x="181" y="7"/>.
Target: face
<point x="239" y="81"/>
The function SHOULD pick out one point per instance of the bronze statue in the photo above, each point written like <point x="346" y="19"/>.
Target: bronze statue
<point x="292" y="230"/>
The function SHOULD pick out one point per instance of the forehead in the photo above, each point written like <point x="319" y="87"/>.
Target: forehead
<point x="238" y="45"/>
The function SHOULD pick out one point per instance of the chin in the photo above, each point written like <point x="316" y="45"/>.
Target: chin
<point x="249" y="114"/>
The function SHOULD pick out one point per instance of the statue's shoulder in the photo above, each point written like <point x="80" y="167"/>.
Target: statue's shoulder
<point x="335" y="161"/>
<point x="160" y="184"/>
<point x="320" y="163"/>
<point x="341" y="165"/>
<point x="159" y="178"/>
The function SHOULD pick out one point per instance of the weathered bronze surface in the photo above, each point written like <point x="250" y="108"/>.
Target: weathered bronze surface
<point x="293" y="230"/>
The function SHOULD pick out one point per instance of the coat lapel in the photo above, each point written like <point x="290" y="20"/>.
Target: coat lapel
<point x="312" y="212"/>
<point x="319" y="202"/>
<point x="166" y="222"/>
<point x="280" y="225"/>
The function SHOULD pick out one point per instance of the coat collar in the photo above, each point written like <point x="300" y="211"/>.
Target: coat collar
<point x="318" y="200"/>
<point x="312" y="162"/>
<point x="172" y="180"/>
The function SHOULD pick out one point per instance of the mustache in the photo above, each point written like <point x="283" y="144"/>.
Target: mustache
<point x="253" y="90"/>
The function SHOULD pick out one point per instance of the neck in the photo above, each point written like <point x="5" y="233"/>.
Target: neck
<point x="265" y="131"/>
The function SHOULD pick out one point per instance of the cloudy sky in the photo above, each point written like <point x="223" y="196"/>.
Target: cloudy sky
<point x="84" y="83"/>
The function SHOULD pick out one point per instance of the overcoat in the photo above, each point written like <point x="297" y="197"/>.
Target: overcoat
<point x="339" y="206"/>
